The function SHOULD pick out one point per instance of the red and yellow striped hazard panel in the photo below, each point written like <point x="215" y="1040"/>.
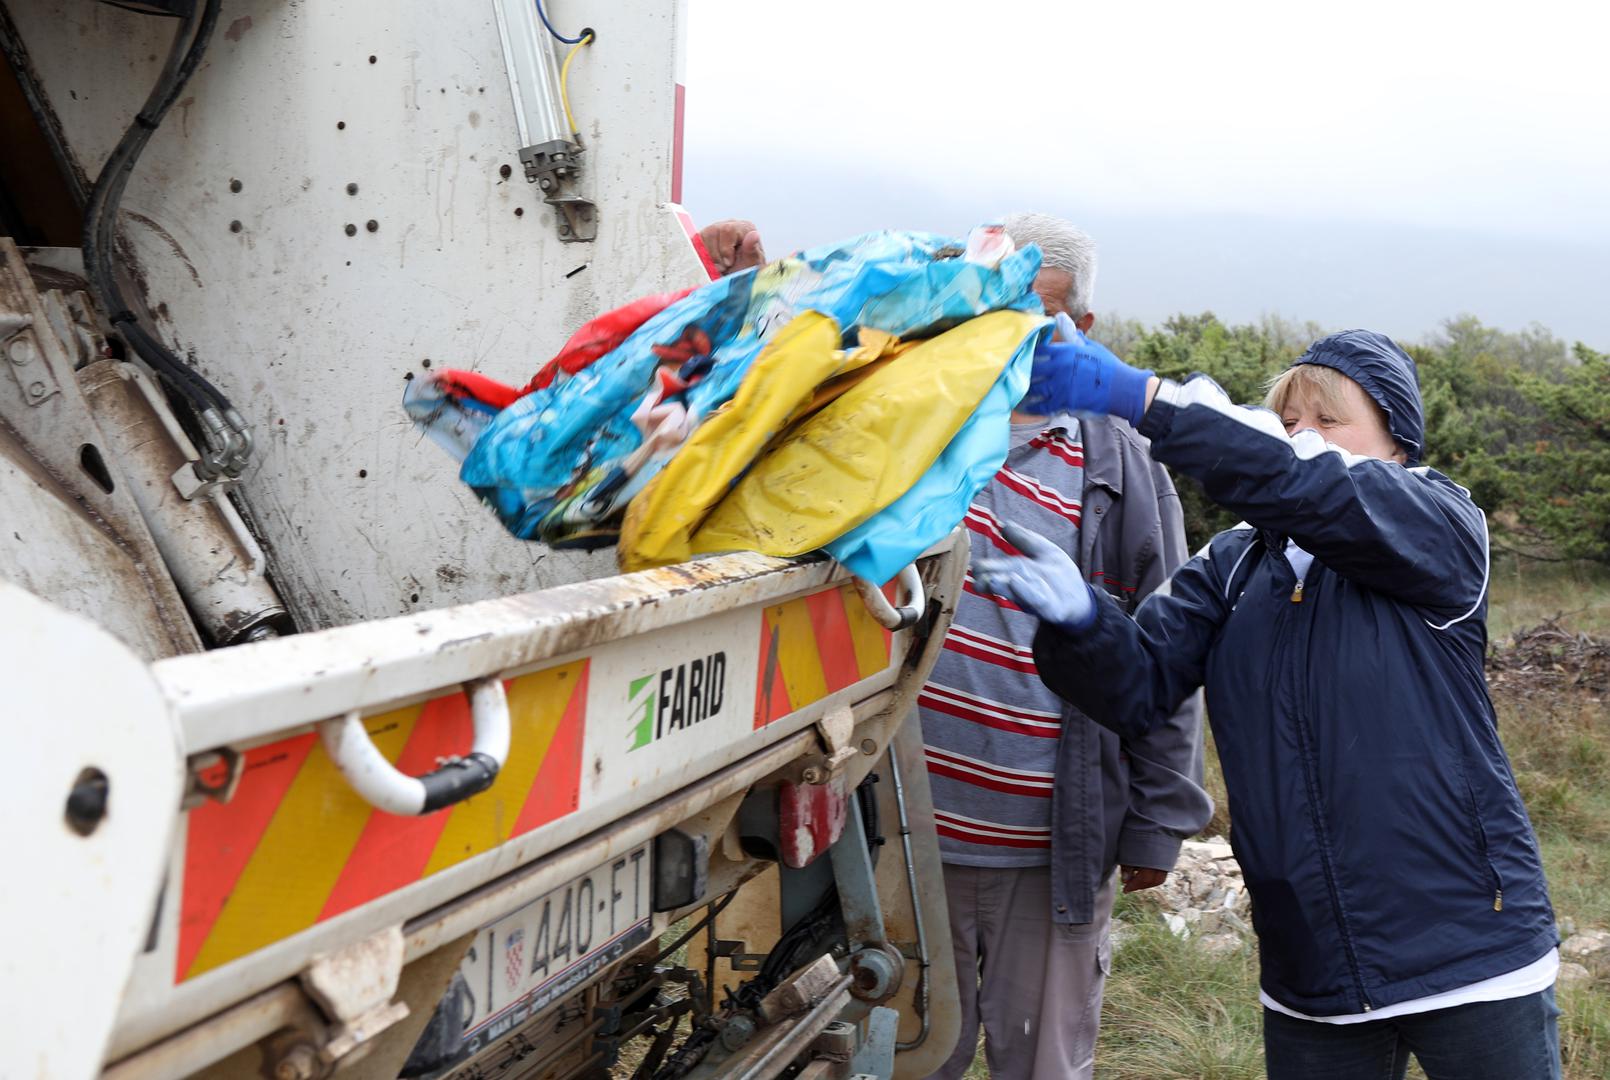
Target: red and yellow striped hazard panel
<point x="815" y="646"/>
<point x="296" y="845"/>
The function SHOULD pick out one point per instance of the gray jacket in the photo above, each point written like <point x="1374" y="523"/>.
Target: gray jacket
<point x="1119" y="801"/>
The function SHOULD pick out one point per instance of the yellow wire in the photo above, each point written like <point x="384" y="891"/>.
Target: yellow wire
<point x="564" y="82"/>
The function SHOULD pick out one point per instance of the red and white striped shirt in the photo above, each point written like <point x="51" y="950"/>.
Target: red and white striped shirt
<point x="990" y="725"/>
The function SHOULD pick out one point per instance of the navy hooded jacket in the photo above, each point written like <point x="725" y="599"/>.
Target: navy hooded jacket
<point x="1373" y="811"/>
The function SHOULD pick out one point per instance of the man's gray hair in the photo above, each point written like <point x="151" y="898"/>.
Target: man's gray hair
<point x="1062" y="247"/>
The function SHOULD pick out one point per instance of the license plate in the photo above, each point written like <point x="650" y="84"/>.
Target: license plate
<point x="536" y="956"/>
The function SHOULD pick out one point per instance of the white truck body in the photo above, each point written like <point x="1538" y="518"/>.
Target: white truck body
<point x="215" y="963"/>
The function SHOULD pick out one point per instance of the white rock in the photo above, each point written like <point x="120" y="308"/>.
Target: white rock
<point x="1585" y="943"/>
<point x="1234" y="922"/>
<point x="1176" y="925"/>
<point x="1207" y="849"/>
<point x="1574" y="975"/>
<point x="1219" y="944"/>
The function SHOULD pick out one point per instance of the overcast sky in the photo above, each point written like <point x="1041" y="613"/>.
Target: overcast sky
<point x="1380" y="164"/>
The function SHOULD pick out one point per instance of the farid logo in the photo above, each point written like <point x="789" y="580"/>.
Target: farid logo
<point x="676" y="698"/>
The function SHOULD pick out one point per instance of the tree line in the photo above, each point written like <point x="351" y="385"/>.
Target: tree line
<point x="1520" y="419"/>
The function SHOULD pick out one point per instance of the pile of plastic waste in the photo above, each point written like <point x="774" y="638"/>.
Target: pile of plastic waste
<point x="852" y="398"/>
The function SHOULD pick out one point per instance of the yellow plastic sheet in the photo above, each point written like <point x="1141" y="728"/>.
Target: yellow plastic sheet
<point x="858" y="429"/>
<point x="799" y="372"/>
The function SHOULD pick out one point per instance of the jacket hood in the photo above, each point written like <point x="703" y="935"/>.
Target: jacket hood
<point x="1386" y="373"/>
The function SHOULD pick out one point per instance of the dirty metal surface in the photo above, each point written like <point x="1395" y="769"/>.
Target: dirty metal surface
<point x="857" y="885"/>
<point x="312" y="332"/>
<point x="776" y="1048"/>
<point x="213" y="558"/>
<point x="67" y="538"/>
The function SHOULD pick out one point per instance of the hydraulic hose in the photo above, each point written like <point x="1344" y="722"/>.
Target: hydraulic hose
<point x="223" y="426"/>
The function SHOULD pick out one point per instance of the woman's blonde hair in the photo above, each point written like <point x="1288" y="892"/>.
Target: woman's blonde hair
<point x="1320" y="384"/>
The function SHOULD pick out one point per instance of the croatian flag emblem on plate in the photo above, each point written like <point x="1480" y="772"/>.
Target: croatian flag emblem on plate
<point x="514" y="958"/>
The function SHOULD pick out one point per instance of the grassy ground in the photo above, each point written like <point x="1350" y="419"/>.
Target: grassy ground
<point x="1525" y="592"/>
<point x="1173" y="1013"/>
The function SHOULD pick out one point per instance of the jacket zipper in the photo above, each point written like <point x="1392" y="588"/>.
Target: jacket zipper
<point x="1297" y="589"/>
<point x="1312" y="783"/>
<point x="1481" y="841"/>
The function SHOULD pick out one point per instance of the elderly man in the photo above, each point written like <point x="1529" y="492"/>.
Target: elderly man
<point x="1035" y="808"/>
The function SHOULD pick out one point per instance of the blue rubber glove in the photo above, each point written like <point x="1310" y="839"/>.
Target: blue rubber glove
<point x="1077" y="375"/>
<point x="1044" y="580"/>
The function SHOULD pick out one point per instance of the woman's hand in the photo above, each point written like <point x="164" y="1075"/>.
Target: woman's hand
<point x="1043" y="580"/>
<point x="1075" y="374"/>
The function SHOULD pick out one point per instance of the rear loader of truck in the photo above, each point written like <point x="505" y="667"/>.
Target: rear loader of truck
<point x="317" y="771"/>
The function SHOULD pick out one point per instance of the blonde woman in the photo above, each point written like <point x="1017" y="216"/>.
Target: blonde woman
<point x="1397" y="890"/>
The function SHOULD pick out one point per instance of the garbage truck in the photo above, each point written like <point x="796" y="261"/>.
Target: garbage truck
<point x="316" y="769"/>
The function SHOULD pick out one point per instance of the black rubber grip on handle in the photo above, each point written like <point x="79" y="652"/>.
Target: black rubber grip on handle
<point x="458" y="780"/>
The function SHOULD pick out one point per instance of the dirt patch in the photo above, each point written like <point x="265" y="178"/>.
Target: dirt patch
<point x="1547" y="659"/>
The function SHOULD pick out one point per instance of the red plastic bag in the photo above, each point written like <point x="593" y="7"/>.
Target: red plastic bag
<point x="586" y="345"/>
<point x="476" y="387"/>
<point x="600" y="336"/>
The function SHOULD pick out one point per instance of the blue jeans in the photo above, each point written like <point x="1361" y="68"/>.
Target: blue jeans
<point x="1516" y="1039"/>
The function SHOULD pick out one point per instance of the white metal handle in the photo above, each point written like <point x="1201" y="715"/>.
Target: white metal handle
<point x="384" y="787"/>
<point x="887" y="615"/>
